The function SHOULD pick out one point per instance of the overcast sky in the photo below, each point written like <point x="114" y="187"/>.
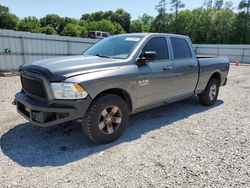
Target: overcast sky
<point x="75" y="8"/>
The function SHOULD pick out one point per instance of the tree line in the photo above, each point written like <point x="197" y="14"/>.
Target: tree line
<point x="216" y="22"/>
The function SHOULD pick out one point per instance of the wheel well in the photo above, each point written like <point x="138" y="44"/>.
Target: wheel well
<point x="217" y="76"/>
<point x="120" y="92"/>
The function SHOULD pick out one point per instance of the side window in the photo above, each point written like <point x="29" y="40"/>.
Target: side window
<point x="159" y="45"/>
<point x="98" y="34"/>
<point x="104" y="35"/>
<point x="180" y="48"/>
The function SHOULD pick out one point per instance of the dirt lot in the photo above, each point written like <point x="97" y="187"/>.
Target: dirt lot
<point x="180" y="145"/>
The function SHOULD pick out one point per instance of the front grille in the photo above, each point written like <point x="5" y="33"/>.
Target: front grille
<point x="33" y="86"/>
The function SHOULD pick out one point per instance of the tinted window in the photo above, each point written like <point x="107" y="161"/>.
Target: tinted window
<point x="181" y="48"/>
<point x="91" y="34"/>
<point x="159" y="45"/>
<point x="98" y="34"/>
<point x="105" y="35"/>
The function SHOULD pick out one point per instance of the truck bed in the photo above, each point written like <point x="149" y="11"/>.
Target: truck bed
<point x="208" y="65"/>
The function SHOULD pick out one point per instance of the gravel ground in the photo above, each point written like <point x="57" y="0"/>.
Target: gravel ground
<point x="180" y="145"/>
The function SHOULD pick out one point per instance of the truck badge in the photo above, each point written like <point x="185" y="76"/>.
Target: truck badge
<point x="142" y="83"/>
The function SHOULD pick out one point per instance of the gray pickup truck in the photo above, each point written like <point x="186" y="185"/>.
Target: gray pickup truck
<point x="116" y="77"/>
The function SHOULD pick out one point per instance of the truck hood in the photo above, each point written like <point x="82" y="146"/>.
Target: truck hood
<point x="72" y="65"/>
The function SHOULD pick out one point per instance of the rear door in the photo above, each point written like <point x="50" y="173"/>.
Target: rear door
<point x="185" y="66"/>
<point x="155" y="78"/>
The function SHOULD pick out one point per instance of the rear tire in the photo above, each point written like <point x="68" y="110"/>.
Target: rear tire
<point x="209" y="96"/>
<point x="106" y="119"/>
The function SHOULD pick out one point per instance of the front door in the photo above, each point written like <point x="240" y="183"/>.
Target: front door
<point x="154" y="79"/>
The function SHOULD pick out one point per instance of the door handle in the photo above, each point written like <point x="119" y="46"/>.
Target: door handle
<point x="194" y="65"/>
<point x="167" y="68"/>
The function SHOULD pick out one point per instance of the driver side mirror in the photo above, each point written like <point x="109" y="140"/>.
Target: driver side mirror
<point x="146" y="57"/>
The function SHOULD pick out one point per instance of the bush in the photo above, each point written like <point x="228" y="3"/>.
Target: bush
<point x="74" y="30"/>
<point x="103" y="25"/>
<point x="29" y="24"/>
<point x="7" y="20"/>
<point x="48" y="30"/>
<point x="137" y="26"/>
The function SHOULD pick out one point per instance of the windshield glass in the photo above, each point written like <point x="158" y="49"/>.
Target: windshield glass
<point x="114" y="47"/>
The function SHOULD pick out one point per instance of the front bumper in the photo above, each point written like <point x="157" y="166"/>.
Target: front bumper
<point x="45" y="114"/>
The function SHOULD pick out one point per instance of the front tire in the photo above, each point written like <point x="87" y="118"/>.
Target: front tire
<point x="210" y="95"/>
<point x="106" y="119"/>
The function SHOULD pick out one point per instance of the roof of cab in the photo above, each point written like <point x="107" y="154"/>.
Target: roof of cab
<point x="151" y="34"/>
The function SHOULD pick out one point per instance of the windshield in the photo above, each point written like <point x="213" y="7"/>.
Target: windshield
<point x="114" y="47"/>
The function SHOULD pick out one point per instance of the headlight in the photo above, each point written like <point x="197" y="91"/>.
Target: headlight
<point x="66" y="90"/>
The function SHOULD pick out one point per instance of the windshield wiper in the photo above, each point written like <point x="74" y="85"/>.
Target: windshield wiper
<point x="104" y="56"/>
